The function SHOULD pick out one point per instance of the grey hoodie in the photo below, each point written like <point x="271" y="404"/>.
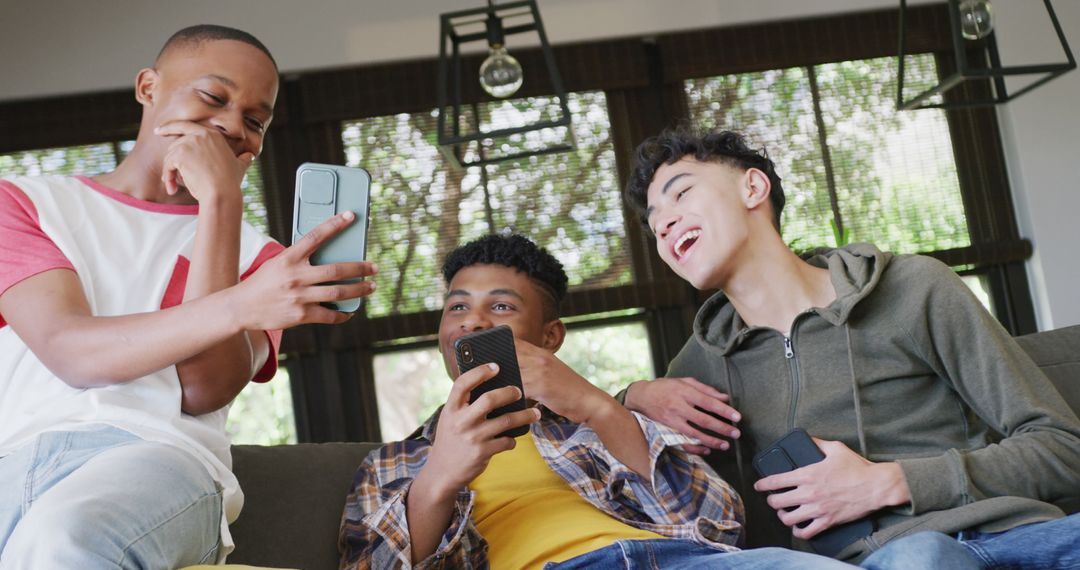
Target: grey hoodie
<point x="905" y="365"/>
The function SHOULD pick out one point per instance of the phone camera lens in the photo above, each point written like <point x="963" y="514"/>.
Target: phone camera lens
<point x="466" y="353"/>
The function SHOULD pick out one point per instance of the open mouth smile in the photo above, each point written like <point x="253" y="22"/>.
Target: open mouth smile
<point x="685" y="243"/>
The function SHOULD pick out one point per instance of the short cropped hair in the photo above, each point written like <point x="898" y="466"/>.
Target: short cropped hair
<point x="195" y="35"/>
<point x="670" y="146"/>
<point x="516" y="252"/>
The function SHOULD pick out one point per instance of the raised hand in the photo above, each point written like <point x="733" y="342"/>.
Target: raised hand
<point x="466" y="439"/>
<point x="286" y="290"/>
<point x="551" y="382"/>
<point x="201" y="160"/>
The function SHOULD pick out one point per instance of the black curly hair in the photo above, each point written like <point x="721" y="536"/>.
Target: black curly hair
<point x="197" y="34"/>
<point x="670" y="146"/>
<point x="517" y="252"/>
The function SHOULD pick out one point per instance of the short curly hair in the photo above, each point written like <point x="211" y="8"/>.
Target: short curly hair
<point x="670" y="146"/>
<point x="516" y="252"/>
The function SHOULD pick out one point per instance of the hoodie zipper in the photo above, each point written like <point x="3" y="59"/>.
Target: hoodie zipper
<point x="793" y="365"/>
<point x="789" y="354"/>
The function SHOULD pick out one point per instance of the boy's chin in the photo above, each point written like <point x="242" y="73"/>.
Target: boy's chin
<point x="699" y="279"/>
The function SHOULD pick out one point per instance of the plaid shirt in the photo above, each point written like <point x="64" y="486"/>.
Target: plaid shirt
<point x="685" y="498"/>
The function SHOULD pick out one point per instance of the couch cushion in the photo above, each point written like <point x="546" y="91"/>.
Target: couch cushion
<point x="1057" y="353"/>
<point x="293" y="499"/>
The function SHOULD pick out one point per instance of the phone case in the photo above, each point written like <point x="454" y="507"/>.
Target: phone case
<point x="323" y="190"/>
<point x="796" y="449"/>
<point x="493" y="345"/>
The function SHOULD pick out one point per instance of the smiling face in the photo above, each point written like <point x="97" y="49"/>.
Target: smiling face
<point x="484" y="296"/>
<point x="226" y="85"/>
<point x="702" y="214"/>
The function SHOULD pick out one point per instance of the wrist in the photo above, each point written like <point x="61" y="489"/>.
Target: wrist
<point x="892" y="485"/>
<point x="434" y="489"/>
<point x="229" y="303"/>
<point x="633" y="392"/>
<point x="222" y="203"/>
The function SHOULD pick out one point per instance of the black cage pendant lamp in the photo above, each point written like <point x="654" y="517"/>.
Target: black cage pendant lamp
<point x="500" y="75"/>
<point x="971" y="26"/>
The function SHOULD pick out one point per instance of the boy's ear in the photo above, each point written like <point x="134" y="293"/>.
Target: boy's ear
<point x="146" y="83"/>
<point x="756" y="188"/>
<point x="554" y="335"/>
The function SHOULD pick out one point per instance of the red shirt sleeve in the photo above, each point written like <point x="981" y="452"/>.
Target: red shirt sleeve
<point x="25" y="250"/>
<point x="270" y="367"/>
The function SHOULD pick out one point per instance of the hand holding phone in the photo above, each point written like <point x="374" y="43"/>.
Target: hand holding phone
<point x="795" y="450"/>
<point x="323" y="190"/>
<point x="493" y="345"/>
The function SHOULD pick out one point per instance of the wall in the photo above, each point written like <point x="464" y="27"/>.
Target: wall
<point x="69" y="46"/>
<point x="1041" y="134"/>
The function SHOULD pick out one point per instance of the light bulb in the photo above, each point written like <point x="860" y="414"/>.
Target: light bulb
<point x="500" y="74"/>
<point x="976" y="19"/>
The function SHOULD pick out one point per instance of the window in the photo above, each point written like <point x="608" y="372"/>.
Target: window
<point x="848" y="159"/>
<point x="609" y="356"/>
<point x="265" y="410"/>
<point x="409" y="385"/>
<point x="263" y="413"/>
<point x="89" y="160"/>
<point x="422" y="208"/>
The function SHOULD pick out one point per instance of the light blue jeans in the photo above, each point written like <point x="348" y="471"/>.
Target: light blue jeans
<point x="1047" y="545"/>
<point x="673" y="554"/>
<point x="103" y="498"/>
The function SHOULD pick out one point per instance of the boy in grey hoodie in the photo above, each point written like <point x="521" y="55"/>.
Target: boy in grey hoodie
<point x="904" y="380"/>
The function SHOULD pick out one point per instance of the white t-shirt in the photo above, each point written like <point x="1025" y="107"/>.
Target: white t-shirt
<point x="130" y="256"/>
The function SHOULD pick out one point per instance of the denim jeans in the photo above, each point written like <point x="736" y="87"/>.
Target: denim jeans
<point x="103" y="498"/>
<point x="674" y="554"/>
<point x="1047" y="545"/>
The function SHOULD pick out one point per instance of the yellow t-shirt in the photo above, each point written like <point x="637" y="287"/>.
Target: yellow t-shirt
<point x="529" y="515"/>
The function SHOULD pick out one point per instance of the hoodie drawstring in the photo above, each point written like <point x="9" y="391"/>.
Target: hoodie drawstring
<point x="733" y="402"/>
<point x="855" y="393"/>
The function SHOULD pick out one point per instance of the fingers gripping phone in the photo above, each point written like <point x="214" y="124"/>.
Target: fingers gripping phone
<point x="493" y="345"/>
<point x="797" y="449"/>
<point x="322" y="191"/>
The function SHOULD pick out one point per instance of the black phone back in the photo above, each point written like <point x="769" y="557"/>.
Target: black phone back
<point x="493" y="345"/>
<point x="795" y="450"/>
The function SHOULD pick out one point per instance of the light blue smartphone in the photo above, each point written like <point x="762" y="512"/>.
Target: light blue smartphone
<point x="322" y="191"/>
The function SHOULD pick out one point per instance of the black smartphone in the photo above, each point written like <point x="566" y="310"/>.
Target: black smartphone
<point x="795" y="450"/>
<point x="493" y="345"/>
<point x="323" y="190"/>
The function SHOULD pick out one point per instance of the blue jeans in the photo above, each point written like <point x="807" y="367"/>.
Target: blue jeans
<point x="674" y="554"/>
<point x="103" y="498"/>
<point x="1047" y="545"/>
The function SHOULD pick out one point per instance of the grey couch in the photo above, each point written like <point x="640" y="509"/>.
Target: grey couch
<point x="295" y="493"/>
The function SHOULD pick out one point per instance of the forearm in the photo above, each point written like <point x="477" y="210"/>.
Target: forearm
<point x="215" y="256"/>
<point x="429" y="510"/>
<point x="213" y="377"/>
<point x="95" y="351"/>
<point x="622" y="436"/>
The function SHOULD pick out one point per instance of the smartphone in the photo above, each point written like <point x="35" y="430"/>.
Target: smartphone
<point x="493" y="345"/>
<point x="322" y="191"/>
<point x="795" y="450"/>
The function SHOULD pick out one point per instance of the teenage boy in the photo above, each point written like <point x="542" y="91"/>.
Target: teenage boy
<point x="591" y="485"/>
<point x="134" y="306"/>
<point x="887" y="359"/>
